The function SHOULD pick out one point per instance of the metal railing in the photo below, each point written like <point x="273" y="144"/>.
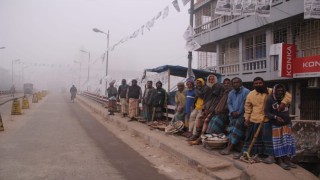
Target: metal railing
<point x="103" y="100"/>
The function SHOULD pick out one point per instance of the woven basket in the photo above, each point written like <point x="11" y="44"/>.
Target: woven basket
<point x="215" y="144"/>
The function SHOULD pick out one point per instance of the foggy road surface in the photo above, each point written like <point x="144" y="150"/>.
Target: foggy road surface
<point x="60" y="140"/>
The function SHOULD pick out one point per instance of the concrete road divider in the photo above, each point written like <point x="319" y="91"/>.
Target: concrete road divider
<point x="16" y="110"/>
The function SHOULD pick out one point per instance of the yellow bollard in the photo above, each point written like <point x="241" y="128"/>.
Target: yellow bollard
<point x="25" y="103"/>
<point x="34" y="98"/>
<point x="15" y="110"/>
<point x="39" y="96"/>
<point x="1" y="124"/>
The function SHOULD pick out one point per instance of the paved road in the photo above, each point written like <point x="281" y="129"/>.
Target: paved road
<point x="57" y="139"/>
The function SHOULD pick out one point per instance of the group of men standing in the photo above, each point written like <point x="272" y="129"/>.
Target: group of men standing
<point x="210" y="107"/>
<point x="153" y="100"/>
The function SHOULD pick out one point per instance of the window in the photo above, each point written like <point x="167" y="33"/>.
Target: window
<point x="280" y="36"/>
<point x="255" y="47"/>
<point x="229" y="52"/>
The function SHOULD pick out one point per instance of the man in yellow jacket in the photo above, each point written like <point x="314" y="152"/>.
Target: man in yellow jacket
<point x="254" y="115"/>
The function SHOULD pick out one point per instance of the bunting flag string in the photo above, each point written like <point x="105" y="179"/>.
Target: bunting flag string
<point x="164" y="14"/>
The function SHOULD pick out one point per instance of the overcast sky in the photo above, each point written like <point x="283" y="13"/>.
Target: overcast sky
<point x="47" y="34"/>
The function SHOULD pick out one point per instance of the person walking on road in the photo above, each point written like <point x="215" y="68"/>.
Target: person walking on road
<point x="73" y="91"/>
<point x="122" y="97"/>
<point x="134" y="95"/>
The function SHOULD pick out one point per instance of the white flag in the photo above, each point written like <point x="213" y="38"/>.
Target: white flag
<point x="223" y="7"/>
<point x="185" y="2"/>
<point x="188" y="34"/>
<point x="307" y="8"/>
<point x="315" y="9"/>
<point x="249" y="7"/>
<point x="192" y="45"/>
<point x="236" y="7"/>
<point x="165" y="12"/>
<point x="176" y="5"/>
<point x="263" y="8"/>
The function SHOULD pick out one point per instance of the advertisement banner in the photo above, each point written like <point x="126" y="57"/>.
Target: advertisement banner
<point x="287" y="57"/>
<point x="306" y="67"/>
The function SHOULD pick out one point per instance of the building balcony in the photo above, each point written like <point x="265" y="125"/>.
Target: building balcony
<point x="223" y="27"/>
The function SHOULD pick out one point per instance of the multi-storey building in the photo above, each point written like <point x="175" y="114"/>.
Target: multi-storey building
<point x="251" y="46"/>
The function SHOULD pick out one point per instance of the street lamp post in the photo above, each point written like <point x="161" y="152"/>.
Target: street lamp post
<point x="12" y="69"/>
<point x="88" y="65"/>
<point x="80" y="73"/>
<point x="107" y="57"/>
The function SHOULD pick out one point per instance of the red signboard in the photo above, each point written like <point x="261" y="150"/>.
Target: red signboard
<point x="306" y="67"/>
<point x="288" y="55"/>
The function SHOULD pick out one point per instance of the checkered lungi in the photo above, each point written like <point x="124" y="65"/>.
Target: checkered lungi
<point x="218" y="124"/>
<point x="263" y="144"/>
<point x="112" y="105"/>
<point x="124" y="106"/>
<point x="283" y="141"/>
<point x="237" y="129"/>
<point x="133" y="107"/>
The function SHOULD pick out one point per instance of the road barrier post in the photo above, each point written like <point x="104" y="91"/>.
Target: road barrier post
<point x="39" y="95"/>
<point x="25" y="103"/>
<point x="16" y="110"/>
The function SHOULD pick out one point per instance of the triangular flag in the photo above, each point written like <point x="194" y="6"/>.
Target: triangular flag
<point x="185" y="2"/>
<point x="142" y="27"/>
<point x="158" y="15"/>
<point x="176" y="5"/>
<point x="150" y="24"/>
<point x="165" y="12"/>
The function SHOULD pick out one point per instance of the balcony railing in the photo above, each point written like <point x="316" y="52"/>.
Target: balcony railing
<point x="230" y="69"/>
<point x="222" y="20"/>
<point x="254" y="66"/>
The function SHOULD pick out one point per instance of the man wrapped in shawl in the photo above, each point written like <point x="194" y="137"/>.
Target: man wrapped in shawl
<point x="159" y="99"/>
<point x="112" y="93"/>
<point x="255" y="115"/>
<point x="282" y="138"/>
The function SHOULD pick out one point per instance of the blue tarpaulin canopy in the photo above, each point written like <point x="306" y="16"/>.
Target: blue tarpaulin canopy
<point x="181" y="71"/>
